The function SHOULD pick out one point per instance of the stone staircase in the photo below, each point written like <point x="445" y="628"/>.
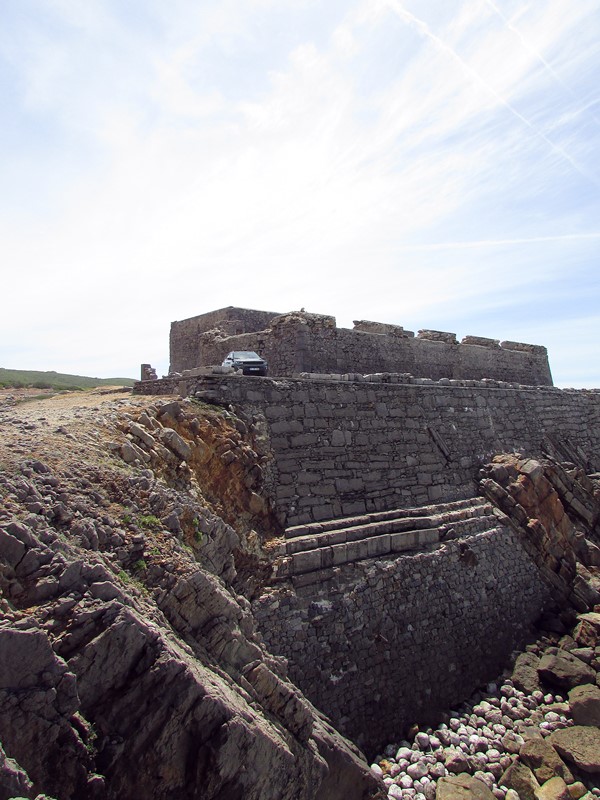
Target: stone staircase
<point x="320" y="546"/>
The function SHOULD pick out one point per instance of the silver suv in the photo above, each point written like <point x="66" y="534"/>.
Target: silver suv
<point x="248" y="361"/>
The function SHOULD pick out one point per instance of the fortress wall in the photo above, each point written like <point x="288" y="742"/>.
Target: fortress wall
<point x="348" y="447"/>
<point x="311" y="343"/>
<point x="382" y="644"/>
<point x="187" y="345"/>
<point x="341" y="447"/>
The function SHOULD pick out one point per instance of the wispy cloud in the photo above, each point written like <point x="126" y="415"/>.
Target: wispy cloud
<point x="412" y="161"/>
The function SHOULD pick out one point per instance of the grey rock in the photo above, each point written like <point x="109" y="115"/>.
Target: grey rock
<point x="553" y="789"/>
<point x="564" y="670"/>
<point x="580" y="746"/>
<point x="520" y="778"/>
<point x="585" y="704"/>
<point x="462" y="787"/>
<point x="587" y="631"/>
<point x="544" y="761"/>
<point x="175" y="443"/>
<point x="525" y="672"/>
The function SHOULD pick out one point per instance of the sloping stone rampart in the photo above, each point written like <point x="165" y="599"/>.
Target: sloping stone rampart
<point x="345" y="447"/>
<point x="383" y="643"/>
<point x="302" y="342"/>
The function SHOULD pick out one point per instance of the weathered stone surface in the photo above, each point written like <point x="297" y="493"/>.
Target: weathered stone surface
<point x="580" y="746"/>
<point x="14" y="782"/>
<point x="587" y="631"/>
<point x="585" y="704"/>
<point x="564" y="670"/>
<point x="520" y="778"/>
<point x="297" y="342"/>
<point x="127" y="668"/>
<point x="455" y="761"/>
<point x="553" y="789"/>
<point x="462" y="787"/>
<point x="525" y="672"/>
<point x="544" y="761"/>
<point x="577" y="790"/>
<point x="176" y="443"/>
<point x="38" y="695"/>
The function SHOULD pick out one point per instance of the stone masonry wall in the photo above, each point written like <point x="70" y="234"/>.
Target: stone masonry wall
<point x="385" y="643"/>
<point x="300" y="342"/>
<point x="342" y="447"/>
<point x="188" y="336"/>
<point x="380" y="643"/>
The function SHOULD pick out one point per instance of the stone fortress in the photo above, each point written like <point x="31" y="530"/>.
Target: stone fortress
<point x="301" y="342"/>
<point x="396" y="586"/>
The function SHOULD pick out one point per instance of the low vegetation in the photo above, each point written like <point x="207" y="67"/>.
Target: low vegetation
<point x="21" y="379"/>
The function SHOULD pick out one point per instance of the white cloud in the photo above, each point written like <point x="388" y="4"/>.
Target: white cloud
<point x="392" y="161"/>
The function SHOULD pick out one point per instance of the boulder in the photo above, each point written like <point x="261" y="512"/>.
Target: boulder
<point x="587" y="631"/>
<point x="520" y="778"/>
<point x="564" y="670"/>
<point x="585" y="704"/>
<point x="577" y="790"/>
<point x="544" y="761"/>
<point x="525" y="673"/>
<point x="554" y="789"/>
<point x="455" y="761"/>
<point x="579" y="745"/>
<point x="462" y="787"/>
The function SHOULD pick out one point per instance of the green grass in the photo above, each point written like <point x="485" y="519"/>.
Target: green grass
<point x="149" y="521"/>
<point x="20" y="378"/>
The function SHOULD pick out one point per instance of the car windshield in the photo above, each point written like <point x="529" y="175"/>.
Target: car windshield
<point x="245" y="355"/>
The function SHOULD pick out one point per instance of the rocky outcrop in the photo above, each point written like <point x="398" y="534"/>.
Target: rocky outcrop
<point x="556" y="510"/>
<point x="130" y="666"/>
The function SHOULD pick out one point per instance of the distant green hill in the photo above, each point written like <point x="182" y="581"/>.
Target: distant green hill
<point x="19" y="378"/>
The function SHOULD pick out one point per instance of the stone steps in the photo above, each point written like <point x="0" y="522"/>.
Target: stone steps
<point x="313" y="528"/>
<point x="323" y="546"/>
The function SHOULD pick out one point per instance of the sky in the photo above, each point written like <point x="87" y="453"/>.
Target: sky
<point x="427" y="163"/>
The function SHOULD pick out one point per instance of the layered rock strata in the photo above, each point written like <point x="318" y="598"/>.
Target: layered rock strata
<point x="129" y="664"/>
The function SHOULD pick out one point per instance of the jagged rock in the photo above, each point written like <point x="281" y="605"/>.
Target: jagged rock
<point x="520" y="778"/>
<point x="544" y="761"/>
<point x="142" y="435"/>
<point x="169" y="698"/>
<point x="525" y="672"/>
<point x="281" y="699"/>
<point x="38" y="696"/>
<point x="564" y="670"/>
<point x="175" y="443"/>
<point x="14" y="782"/>
<point x="580" y="746"/>
<point x="585" y="704"/>
<point x="132" y="453"/>
<point x="584" y="588"/>
<point x="587" y="631"/>
<point x="553" y="789"/>
<point x="455" y="761"/>
<point x="462" y="787"/>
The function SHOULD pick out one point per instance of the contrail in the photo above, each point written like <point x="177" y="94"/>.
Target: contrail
<point x="526" y="44"/>
<point x="539" y="57"/>
<point x="425" y="31"/>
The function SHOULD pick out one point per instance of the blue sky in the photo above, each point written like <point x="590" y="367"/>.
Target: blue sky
<point x="430" y="163"/>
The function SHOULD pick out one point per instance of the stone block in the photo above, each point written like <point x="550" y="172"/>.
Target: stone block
<point x="340" y="554"/>
<point x="378" y="545"/>
<point x="287" y="427"/>
<point x="307" y="561"/>
<point x="353" y="507"/>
